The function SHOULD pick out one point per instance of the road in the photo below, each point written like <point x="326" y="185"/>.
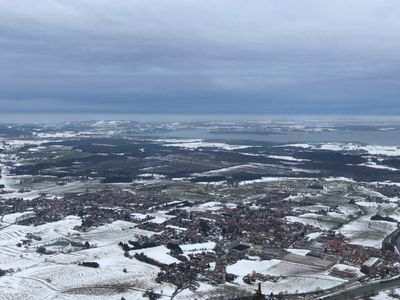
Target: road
<point x="360" y="291"/>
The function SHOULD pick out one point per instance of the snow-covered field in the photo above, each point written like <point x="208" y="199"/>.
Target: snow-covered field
<point x="392" y="294"/>
<point x="299" y="251"/>
<point x="287" y="158"/>
<point x="197" y="248"/>
<point x="324" y="222"/>
<point x="294" y="278"/>
<point x="207" y="206"/>
<point x="308" y="219"/>
<point x="273" y="179"/>
<point x="366" y="232"/>
<point x="239" y="168"/>
<point x="58" y="276"/>
<point x="351" y="147"/>
<point x="198" y="143"/>
<point x="302" y="284"/>
<point x="53" y="276"/>
<point x="374" y="165"/>
<point x="244" y="267"/>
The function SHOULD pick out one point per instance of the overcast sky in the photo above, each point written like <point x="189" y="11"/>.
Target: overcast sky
<point x="200" y="56"/>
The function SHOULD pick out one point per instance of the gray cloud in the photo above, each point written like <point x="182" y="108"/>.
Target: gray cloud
<point x="200" y="56"/>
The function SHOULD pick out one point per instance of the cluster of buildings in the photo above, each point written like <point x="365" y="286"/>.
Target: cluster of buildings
<point x="255" y="227"/>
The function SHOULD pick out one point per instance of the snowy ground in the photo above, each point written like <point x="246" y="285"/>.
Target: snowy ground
<point x="198" y="143"/>
<point x="331" y="220"/>
<point x="351" y="147"/>
<point x="197" y="248"/>
<point x="287" y="158"/>
<point x="295" y="278"/>
<point x="363" y="231"/>
<point x="274" y="179"/>
<point x="299" y="251"/>
<point x="392" y="294"/>
<point x="58" y="276"/>
<point x="53" y="276"/>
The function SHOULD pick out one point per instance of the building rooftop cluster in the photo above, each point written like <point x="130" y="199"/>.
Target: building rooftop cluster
<point x="255" y="227"/>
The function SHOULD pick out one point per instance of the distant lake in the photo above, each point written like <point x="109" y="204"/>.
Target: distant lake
<point x="384" y="138"/>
